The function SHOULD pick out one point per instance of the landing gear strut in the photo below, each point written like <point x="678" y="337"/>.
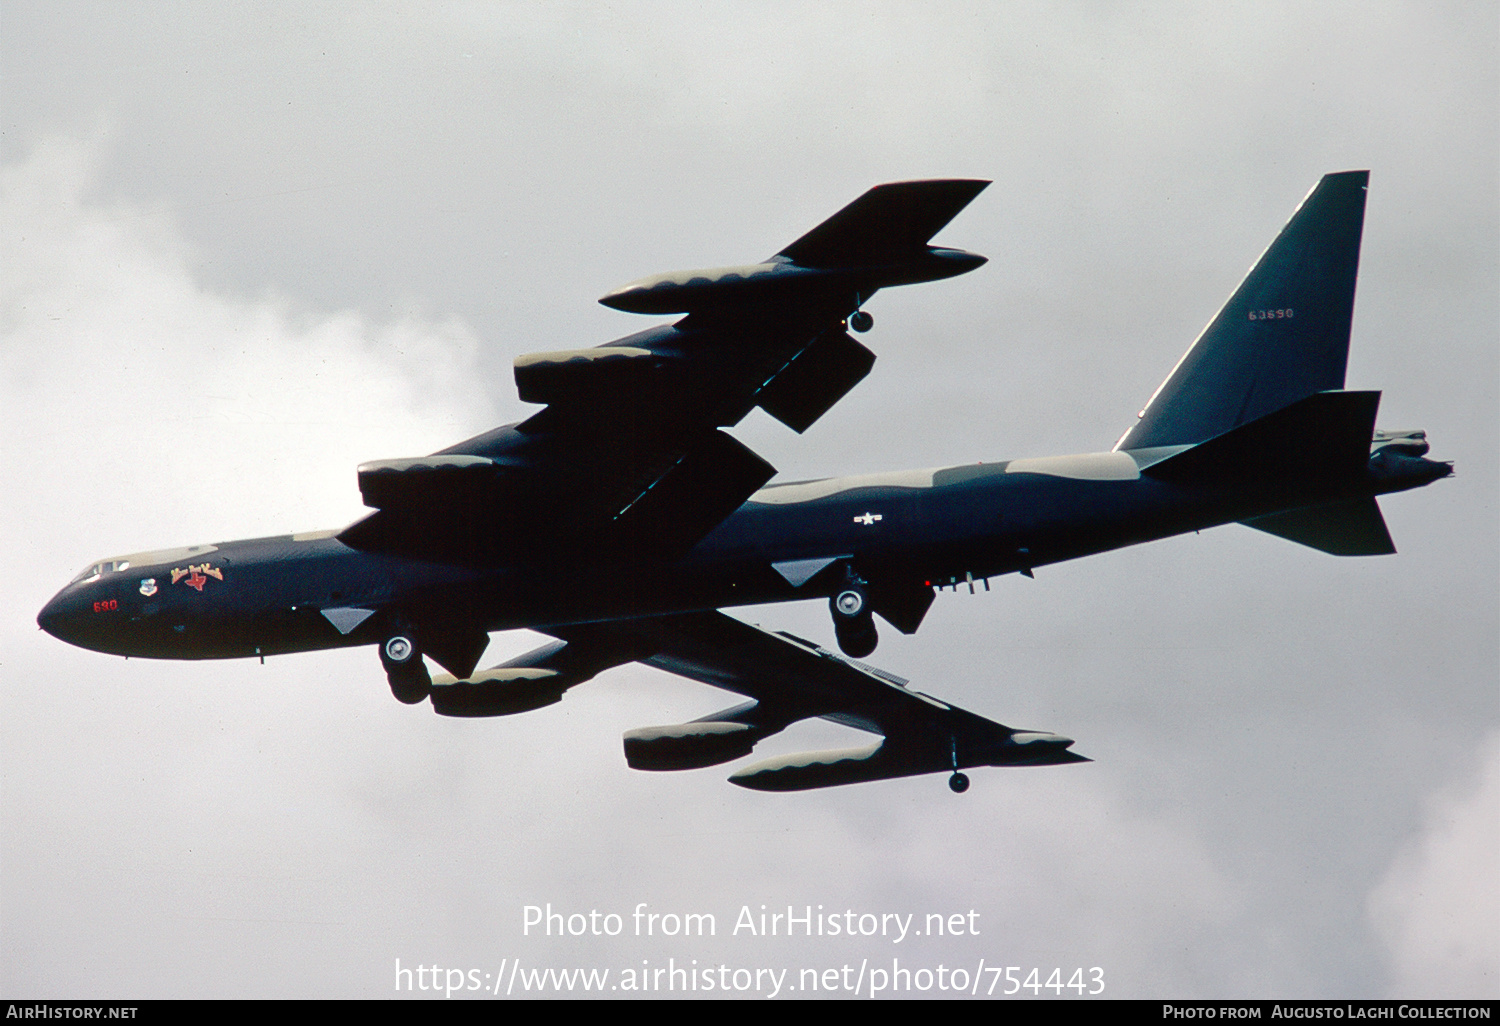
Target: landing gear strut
<point x="958" y="783"/>
<point x="404" y="669"/>
<point x="853" y="622"/>
<point x="859" y="320"/>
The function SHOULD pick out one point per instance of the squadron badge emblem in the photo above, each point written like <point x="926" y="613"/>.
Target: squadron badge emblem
<point x="197" y="575"/>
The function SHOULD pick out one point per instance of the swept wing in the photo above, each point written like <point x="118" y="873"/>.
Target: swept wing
<point x="627" y="462"/>
<point x="786" y="678"/>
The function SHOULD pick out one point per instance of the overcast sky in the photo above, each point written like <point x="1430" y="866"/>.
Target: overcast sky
<point x="245" y="250"/>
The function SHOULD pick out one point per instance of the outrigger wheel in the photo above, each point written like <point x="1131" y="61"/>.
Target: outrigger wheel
<point x="959" y="782"/>
<point x="861" y="322"/>
<point x="410" y="682"/>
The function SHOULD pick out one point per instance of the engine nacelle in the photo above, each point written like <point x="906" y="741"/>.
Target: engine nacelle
<point x="425" y="480"/>
<point x="580" y="374"/>
<point x="688" y="745"/>
<point x="886" y="760"/>
<point x="802" y="771"/>
<point x="800" y="274"/>
<point x="502" y="691"/>
<point x="687" y="291"/>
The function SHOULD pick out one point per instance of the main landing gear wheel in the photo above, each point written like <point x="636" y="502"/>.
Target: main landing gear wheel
<point x="853" y="623"/>
<point x="399" y="650"/>
<point x="410" y="682"/>
<point x="850" y="602"/>
<point x="861" y="322"/>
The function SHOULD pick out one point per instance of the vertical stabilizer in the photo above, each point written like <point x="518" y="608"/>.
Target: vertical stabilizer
<point x="1282" y="336"/>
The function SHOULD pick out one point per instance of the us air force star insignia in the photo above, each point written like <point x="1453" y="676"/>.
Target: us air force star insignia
<point x="148" y="587"/>
<point x="868" y="519"/>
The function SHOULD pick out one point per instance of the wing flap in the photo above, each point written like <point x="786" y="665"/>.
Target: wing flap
<point x="675" y="511"/>
<point x="650" y="494"/>
<point x="815" y="379"/>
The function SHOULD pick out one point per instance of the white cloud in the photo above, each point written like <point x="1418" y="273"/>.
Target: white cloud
<point x="140" y="409"/>
<point x="1438" y="907"/>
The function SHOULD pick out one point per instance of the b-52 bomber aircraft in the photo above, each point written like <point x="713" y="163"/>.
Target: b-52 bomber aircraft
<point x="620" y="518"/>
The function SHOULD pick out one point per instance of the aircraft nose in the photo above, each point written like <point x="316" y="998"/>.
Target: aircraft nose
<point x="60" y="617"/>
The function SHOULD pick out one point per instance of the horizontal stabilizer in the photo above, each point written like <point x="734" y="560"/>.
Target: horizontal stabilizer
<point x="1403" y="443"/>
<point x="1351" y="528"/>
<point x="1326" y="435"/>
<point x="889" y="222"/>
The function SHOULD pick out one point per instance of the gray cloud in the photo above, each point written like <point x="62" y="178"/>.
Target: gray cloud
<point x="1438" y="907"/>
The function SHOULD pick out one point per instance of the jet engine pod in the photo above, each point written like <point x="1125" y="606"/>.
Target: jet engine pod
<point x="710" y="287"/>
<point x="580" y="374"/>
<point x="425" y="480"/>
<point x="498" y="692"/>
<point x="688" y="745"/>
<point x="806" y="770"/>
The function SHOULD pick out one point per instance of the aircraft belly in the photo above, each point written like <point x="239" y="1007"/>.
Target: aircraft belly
<point x="984" y="520"/>
<point x="977" y="526"/>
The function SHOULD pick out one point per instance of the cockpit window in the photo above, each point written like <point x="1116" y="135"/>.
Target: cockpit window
<point x="140" y="560"/>
<point x="109" y="566"/>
